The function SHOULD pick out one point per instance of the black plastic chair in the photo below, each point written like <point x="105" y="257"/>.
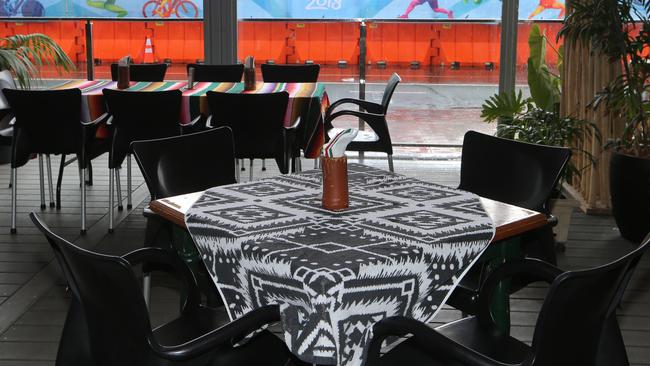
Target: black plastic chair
<point x="374" y="114"/>
<point x="6" y="119"/>
<point x="257" y="122"/>
<point x="517" y="173"/>
<point x="217" y="73"/>
<point x="108" y="322"/>
<point x="137" y="116"/>
<point x="49" y="122"/>
<point x="576" y="325"/>
<point x="509" y="171"/>
<point x="178" y="165"/>
<point x="290" y="73"/>
<point x="142" y="72"/>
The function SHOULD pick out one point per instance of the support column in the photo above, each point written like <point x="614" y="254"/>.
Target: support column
<point x="508" y="60"/>
<point x="220" y="31"/>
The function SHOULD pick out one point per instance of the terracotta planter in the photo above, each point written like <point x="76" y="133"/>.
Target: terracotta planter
<point x="335" y="183"/>
<point x="629" y="184"/>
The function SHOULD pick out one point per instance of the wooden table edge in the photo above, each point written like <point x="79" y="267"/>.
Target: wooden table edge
<point x="172" y="211"/>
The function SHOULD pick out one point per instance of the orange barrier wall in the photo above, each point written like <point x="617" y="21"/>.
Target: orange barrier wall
<point x="291" y="42"/>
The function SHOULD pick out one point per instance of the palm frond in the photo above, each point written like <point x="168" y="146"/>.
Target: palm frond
<point x="25" y="54"/>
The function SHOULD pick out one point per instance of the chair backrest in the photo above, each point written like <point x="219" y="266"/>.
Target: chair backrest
<point x="111" y="298"/>
<point x="142" y="72"/>
<point x="510" y="171"/>
<point x="189" y="163"/>
<point x="290" y="73"/>
<point x="256" y="121"/>
<point x="217" y="73"/>
<point x="576" y="310"/>
<point x="47" y="121"/>
<point x="141" y="116"/>
<point x="390" y="89"/>
<point x="6" y="82"/>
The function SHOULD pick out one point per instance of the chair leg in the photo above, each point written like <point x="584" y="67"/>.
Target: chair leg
<point x="41" y="179"/>
<point x="391" y="168"/>
<point x="250" y="173"/>
<point x="11" y="180"/>
<point x="263" y="165"/>
<point x="90" y="173"/>
<point x="237" y="175"/>
<point x="146" y="288"/>
<point x="118" y="183"/>
<point x="111" y="198"/>
<point x="14" y="196"/>
<point x="129" y="198"/>
<point x="58" y="182"/>
<point x="82" y="179"/>
<point x="49" y="179"/>
<point x="82" y="172"/>
<point x="243" y="168"/>
<point x="299" y="164"/>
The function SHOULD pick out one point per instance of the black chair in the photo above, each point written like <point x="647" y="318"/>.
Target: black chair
<point x="517" y="173"/>
<point x="108" y="323"/>
<point x="6" y="120"/>
<point x="137" y="116"/>
<point x="576" y="325"/>
<point x="290" y="73"/>
<point x="257" y="122"/>
<point x="49" y="122"/>
<point x="217" y="73"/>
<point x="374" y="114"/>
<point x="178" y="165"/>
<point x="142" y="72"/>
<point x="509" y="171"/>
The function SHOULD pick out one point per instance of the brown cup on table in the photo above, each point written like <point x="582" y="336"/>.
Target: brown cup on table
<point x="335" y="183"/>
<point x="123" y="77"/>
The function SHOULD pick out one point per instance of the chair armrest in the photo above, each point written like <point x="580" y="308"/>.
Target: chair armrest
<point x="365" y="116"/>
<point x="552" y="220"/>
<point x="366" y="105"/>
<point x="97" y="121"/>
<point x="532" y="270"/>
<point x="171" y="263"/>
<point x="224" y="335"/>
<point x="109" y="121"/>
<point x="373" y="120"/>
<point x="295" y="125"/>
<point x="208" y="122"/>
<point x="192" y="122"/>
<point x="427" y="340"/>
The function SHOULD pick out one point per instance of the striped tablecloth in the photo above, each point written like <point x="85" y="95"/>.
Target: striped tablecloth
<point x="307" y="100"/>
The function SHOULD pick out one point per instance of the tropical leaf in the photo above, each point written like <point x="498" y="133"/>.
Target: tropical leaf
<point x="24" y="55"/>
<point x="503" y="106"/>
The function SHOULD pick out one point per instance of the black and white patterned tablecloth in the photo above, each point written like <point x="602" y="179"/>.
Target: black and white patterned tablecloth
<point x="398" y="250"/>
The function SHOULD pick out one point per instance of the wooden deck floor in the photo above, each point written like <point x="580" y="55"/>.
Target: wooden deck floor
<point x="33" y="301"/>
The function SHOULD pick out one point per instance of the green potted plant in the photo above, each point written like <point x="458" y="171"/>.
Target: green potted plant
<point x="21" y="57"/>
<point x="537" y="119"/>
<point x="620" y="29"/>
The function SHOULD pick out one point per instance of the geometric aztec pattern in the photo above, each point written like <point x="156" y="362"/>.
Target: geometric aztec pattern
<point x="398" y="250"/>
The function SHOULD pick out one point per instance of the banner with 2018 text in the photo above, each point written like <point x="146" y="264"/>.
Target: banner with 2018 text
<point x="282" y="9"/>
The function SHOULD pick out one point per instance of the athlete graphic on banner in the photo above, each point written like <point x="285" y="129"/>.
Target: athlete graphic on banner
<point x="108" y="5"/>
<point x="432" y="3"/>
<point x="546" y="5"/>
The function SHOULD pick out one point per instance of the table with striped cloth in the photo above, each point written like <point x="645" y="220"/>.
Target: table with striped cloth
<point x="307" y="100"/>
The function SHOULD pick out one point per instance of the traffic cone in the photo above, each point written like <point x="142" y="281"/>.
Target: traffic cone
<point x="148" y="55"/>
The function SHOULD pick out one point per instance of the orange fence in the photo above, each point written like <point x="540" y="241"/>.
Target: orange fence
<point x="291" y="42"/>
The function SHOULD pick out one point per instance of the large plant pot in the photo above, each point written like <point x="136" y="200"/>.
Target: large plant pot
<point x="629" y="180"/>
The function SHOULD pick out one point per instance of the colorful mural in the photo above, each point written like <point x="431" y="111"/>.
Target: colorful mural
<point x="161" y="9"/>
<point x="282" y="9"/>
